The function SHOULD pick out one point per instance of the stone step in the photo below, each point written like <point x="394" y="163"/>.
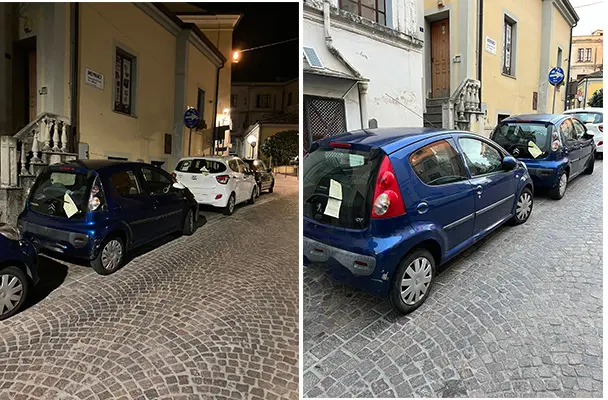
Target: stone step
<point x="434" y="109"/>
<point x="436" y="102"/>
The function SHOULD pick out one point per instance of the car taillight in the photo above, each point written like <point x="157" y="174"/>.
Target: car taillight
<point x="223" y="179"/>
<point x="555" y="142"/>
<point x="601" y="142"/>
<point x="174" y="175"/>
<point x="96" y="198"/>
<point x="387" y="195"/>
<point x="601" y="127"/>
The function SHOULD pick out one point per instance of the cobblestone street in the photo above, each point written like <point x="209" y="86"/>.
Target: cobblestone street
<point x="520" y="314"/>
<point x="213" y="315"/>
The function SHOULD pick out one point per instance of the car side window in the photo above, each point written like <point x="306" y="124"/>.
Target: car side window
<point x="567" y="130"/>
<point x="242" y="167"/>
<point x="260" y="166"/>
<point x="438" y="164"/>
<point x="158" y="183"/>
<point x="233" y="165"/>
<point x="579" y="129"/>
<point x="126" y="183"/>
<point x="481" y="158"/>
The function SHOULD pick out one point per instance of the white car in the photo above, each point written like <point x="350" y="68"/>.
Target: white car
<point x="593" y="118"/>
<point x="221" y="182"/>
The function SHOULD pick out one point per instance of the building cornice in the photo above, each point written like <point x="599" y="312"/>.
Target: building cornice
<point x="161" y="17"/>
<point x="222" y="22"/>
<point x="567" y="11"/>
<point x="212" y="53"/>
<point x="361" y="26"/>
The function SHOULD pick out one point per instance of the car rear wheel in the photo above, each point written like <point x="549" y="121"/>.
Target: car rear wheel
<point x="523" y="208"/>
<point x="590" y="166"/>
<point x="188" y="228"/>
<point x="110" y="258"/>
<point x="560" y="189"/>
<point x="14" y="288"/>
<point x="254" y="194"/>
<point x="229" y="209"/>
<point x="271" y="188"/>
<point x="412" y="281"/>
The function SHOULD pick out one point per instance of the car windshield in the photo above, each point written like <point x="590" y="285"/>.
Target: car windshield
<point x="201" y="165"/>
<point x="589" y="117"/>
<point x="337" y="185"/>
<point x="524" y="139"/>
<point x="60" y="194"/>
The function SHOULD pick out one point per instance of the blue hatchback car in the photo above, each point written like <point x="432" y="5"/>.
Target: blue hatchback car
<point x="97" y="210"/>
<point x="384" y="207"/>
<point x="555" y="148"/>
<point x="18" y="271"/>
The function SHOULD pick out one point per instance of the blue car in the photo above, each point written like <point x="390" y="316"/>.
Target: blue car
<point x="555" y="148"/>
<point x="97" y="210"/>
<point x="384" y="207"/>
<point x="18" y="271"/>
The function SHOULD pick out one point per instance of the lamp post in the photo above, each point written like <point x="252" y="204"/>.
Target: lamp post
<point x="251" y="140"/>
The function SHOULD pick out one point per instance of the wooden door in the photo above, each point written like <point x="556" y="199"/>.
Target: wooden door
<point x="440" y="58"/>
<point x="32" y="85"/>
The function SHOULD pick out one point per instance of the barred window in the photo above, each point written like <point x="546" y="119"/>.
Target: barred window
<point x="123" y="81"/>
<point x="507" y="63"/>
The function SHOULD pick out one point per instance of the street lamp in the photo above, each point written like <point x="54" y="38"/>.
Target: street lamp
<point x="236" y="56"/>
<point x="251" y="140"/>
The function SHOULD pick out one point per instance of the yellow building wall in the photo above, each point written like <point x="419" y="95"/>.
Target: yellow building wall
<point x="593" y="86"/>
<point x="102" y="25"/>
<point x="501" y="93"/>
<point x="201" y="74"/>
<point x="561" y="38"/>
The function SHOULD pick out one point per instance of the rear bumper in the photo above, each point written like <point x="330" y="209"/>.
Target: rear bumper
<point x="214" y="197"/>
<point x="356" y="264"/>
<point x="83" y="245"/>
<point x="543" y="177"/>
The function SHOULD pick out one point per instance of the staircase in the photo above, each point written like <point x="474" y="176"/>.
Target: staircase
<point x="43" y="142"/>
<point x="457" y="111"/>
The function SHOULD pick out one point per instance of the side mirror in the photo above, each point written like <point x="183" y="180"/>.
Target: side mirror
<point x="509" y="163"/>
<point x="178" y="186"/>
<point x="589" y="134"/>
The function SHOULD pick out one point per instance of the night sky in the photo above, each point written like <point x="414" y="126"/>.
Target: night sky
<point x="263" y="23"/>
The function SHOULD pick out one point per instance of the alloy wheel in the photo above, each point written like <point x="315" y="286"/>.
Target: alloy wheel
<point x="191" y="221"/>
<point x="11" y="292"/>
<point x="231" y="204"/>
<point x="563" y="181"/>
<point x="524" y="206"/>
<point x="111" y="255"/>
<point x="416" y="281"/>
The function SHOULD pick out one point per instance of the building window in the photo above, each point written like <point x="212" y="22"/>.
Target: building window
<point x="374" y="10"/>
<point x="587" y="54"/>
<point x="581" y="53"/>
<point x="200" y="104"/>
<point x="500" y="117"/>
<point x="234" y="100"/>
<point x="263" y="101"/>
<point x="508" y="47"/>
<point x="123" y="82"/>
<point x="289" y="99"/>
<point x="559" y="57"/>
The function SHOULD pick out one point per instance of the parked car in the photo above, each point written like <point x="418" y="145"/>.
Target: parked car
<point x="263" y="176"/>
<point x="384" y="207"/>
<point x="217" y="181"/>
<point x="593" y="118"/>
<point x="18" y="271"/>
<point x="98" y="210"/>
<point x="555" y="148"/>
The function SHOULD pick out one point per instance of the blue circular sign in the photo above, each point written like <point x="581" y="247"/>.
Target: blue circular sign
<point x="556" y="76"/>
<point x="191" y="117"/>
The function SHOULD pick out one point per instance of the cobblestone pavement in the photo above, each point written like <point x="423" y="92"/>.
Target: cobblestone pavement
<point x="520" y="314"/>
<point x="214" y="315"/>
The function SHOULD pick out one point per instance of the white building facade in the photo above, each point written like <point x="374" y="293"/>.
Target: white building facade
<point x="363" y="66"/>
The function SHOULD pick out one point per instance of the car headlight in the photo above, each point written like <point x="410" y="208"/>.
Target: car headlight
<point x="9" y="232"/>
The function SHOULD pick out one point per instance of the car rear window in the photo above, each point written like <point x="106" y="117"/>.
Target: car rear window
<point x="589" y="117"/>
<point x="337" y="187"/>
<point x="200" y="165"/>
<point x="56" y="192"/>
<point x="522" y="139"/>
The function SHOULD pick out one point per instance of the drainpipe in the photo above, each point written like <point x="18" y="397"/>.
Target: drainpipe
<point x="336" y="53"/>
<point x="74" y="41"/>
<point x="217" y="91"/>
<point x="569" y="64"/>
<point x="480" y="44"/>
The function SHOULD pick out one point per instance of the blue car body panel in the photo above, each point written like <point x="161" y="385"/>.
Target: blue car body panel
<point x="138" y="218"/>
<point x="389" y="240"/>
<point x="21" y="253"/>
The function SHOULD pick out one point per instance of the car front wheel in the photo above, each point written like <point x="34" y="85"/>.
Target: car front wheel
<point x="412" y="281"/>
<point x="14" y="288"/>
<point x="110" y="258"/>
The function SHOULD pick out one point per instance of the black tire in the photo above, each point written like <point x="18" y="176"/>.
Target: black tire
<point x="188" y="228"/>
<point x="259" y="190"/>
<point x="599" y="155"/>
<point x="231" y="205"/>
<point x="254" y="194"/>
<point x="523" y="207"/>
<point x="395" y="294"/>
<point x="555" y="192"/>
<point x="271" y="188"/>
<point x="112" y="265"/>
<point x="590" y="166"/>
<point x="23" y="281"/>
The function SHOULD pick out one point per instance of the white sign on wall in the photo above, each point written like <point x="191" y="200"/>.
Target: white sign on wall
<point x="490" y="45"/>
<point x="93" y="78"/>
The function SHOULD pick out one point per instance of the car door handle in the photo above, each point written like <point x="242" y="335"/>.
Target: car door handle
<point x="422" y="208"/>
<point x="479" y="189"/>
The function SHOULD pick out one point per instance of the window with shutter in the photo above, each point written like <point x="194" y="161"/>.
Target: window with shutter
<point x="123" y="82"/>
<point x="507" y="67"/>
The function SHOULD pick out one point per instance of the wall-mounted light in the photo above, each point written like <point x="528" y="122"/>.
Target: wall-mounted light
<point x="236" y="55"/>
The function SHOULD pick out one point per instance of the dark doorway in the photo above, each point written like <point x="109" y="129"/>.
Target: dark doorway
<point x="24" y="82"/>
